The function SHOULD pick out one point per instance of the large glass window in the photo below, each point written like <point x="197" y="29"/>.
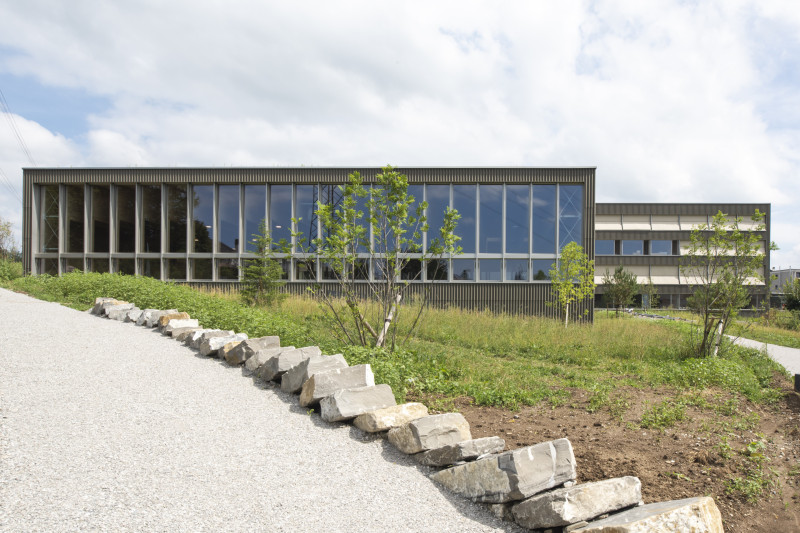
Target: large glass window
<point x="543" y="217"/>
<point x="632" y="247"/>
<point x="280" y="215"/>
<point x="228" y="269"/>
<point x="464" y="269"/>
<point x="228" y="217"/>
<point x="417" y="192"/>
<point x="99" y="265"/>
<point x="465" y="202"/>
<point x="570" y="214"/>
<point x="203" y="218"/>
<point x="516" y="270"/>
<point x="176" y="220"/>
<point x="412" y="270"/>
<point x="541" y="269"/>
<point x="176" y="269"/>
<point x="151" y="219"/>
<point x="305" y="198"/>
<point x="437" y="269"/>
<point x="660" y="247"/>
<point x="49" y="235"/>
<point x="255" y="211"/>
<point x="491" y="229"/>
<point x="74" y="219"/>
<point x="150" y="268"/>
<point x="604" y="247"/>
<point x="517" y="219"/>
<point x="438" y="198"/>
<point x="491" y="269"/>
<point x="125" y="266"/>
<point x="100" y="221"/>
<point x="201" y="269"/>
<point x="126" y="221"/>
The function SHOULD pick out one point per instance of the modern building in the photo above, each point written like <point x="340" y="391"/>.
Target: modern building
<point x="650" y="241"/>
<point x="780" y="276"/>
<point x="195" y="225"/>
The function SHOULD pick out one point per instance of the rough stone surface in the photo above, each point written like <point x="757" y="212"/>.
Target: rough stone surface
<point x="118" y="311"/>
<point x="293" y="379"/>
<point x="176" y="323"/>
<point x="163" y="320"/>
<point x="277" y="365"/>
<point x="258" y="359"/>
<point x="324" y="384"/>
<point x="349" y="403"/>
<point x="513" y="475"/>
<point x="223" y="352"/>
<point x="430" y="432"/>
<point x="698" y="515"/>
<point x="390" y="417"/>
<point x="578" y="503"/>
<point x="152" y="319"/>
<point x="462" y="451"/>
<point x="211" y="345"/>
<point x="196" y="340"/>
<point x="100" y="303"/>
<point x="133" y="315"/>
<point x="245" y="349"/>
<point x="180" y="334"/>
<point x="146" y="314"/>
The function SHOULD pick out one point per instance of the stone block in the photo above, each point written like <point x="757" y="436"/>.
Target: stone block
<point x="118" y="311"/>
<point x="430" y="432"/>
<point x="101" y="303"/>
<point x="698" y="515"/>
<point x="293" y="379"/>
<point x="152" y="319"/>
<point x="322" y="384"/>
<point x="211" y="345"/>
<point x="176" y="323"/>
<point x="513" y="475"/>
<point x="163" y="320"/>
<point x="390" y="417"/>
<point x="257" y="360"/>
<point x="223" y="352"/>
<point x="199" y="338"/>
<point x="245" y="349"/>
<point x="146" y="313"/>
<point x="180" y="334"/>
<point x="132" y="315"/>
<point x="578" y="503"/>
<point x="461" y="451"/>
<point x="283" y="361"/>
<point x="349" y="403"/>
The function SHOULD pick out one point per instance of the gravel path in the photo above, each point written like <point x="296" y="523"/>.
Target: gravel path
<point x="788" y="357"/>
<point x="107" y="426"/>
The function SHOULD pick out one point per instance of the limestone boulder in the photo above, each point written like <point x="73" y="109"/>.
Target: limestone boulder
<point x="245" y="349"/>
<point x="349" y="403"/>
<point x="461" y="451"/>
<point x="513" y="475"/>
<point x="163" y="320"/>
<point x="118" y="311"/>
<point x="578" y="503"/>
<point x="390" y="417"/>
<point x="430" y="432"/>
<point x="211" y="345"/>
<point x="197" y="339"/>
<point x="176" y="323"/>
<point x="223" y="352"/>
<point x="101" y="303"/>
<point x="280" y="363"/>
<point x="322" y="384"/>
<point x="146" y="314"/>
<point x="180" y="334"/>
<point x="152" y="319"/>
<point x="132" y="315"/>
<point x="698" y="515"/>
<point x="257" y="360"/>
<point x="292" y="381"/>
<point x="188" y="337"/>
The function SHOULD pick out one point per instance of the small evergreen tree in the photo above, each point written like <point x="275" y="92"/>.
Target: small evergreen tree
<point x="620" y="288"/>
<point x="572" y="278"/>
<point x="263" y="277"/>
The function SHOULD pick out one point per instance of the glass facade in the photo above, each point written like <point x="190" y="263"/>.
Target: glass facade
<point x="508" y="232"/>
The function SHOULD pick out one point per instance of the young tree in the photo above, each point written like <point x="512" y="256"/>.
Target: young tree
<point x="263" y="277"/>
<point x="387" y="234"/>
<point x="572" y="278"/>
<point x="722" y="262"/>
<point x="620" y="288"/>
<point x="650" y="294"/>
<point x="6" y="239"/>
<point x="791" y="291"/>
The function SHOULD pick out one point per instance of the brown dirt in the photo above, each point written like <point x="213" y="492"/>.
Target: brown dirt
<point x="678" y="462"/>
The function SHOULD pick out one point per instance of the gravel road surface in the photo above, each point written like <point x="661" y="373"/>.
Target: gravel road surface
<point x="106" y="426"/>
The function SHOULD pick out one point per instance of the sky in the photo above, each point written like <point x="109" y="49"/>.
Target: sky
<point x="672" y="101"/>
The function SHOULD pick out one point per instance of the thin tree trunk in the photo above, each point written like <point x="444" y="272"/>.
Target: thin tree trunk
<point x="566" y="315"/>
<point x="388" y="321"/>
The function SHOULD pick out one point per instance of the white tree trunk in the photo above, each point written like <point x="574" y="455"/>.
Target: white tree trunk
<point x="388" y="321"/>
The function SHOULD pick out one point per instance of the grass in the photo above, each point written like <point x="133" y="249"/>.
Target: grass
<point x="499" y="360"/>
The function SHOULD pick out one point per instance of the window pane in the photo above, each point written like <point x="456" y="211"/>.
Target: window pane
<point x="151" y="218"/>
<point x="438" y="200"/>
<point x="305" y="270"/>
<point x="516" y="270"/>
<point x="228" y="216"/>
<point x="203" y="218"/>
<point x="491" y="269"/>
<point x="151" y="268"/>
<point x="517" y="218"/>
<point x="74" y="218"/>
<point x="416" y="243"/>
<point x="437" y="269"/>
<point x="49" y="266"/>
<point x="72" y="264"/>
<point x="604" y="247"/>
<point x="632" y="247"/>
<point x="99" y="265"/>
<point x="305" y="204"/>
<point x="361" y="269"/>
<point x="100" y="222"/>
<point x="412" y="270"/>
<point x="125" y="266"/>
<point x="328" y="272"/>
<point x="176" y="218"/>
<point x="491" y="219"/>
<point x="201" y="269"/>
<point x="541" y="269"/>
<point x="228" y="269"/>
<point x="255" y="211"/>
<point x="544" y="219"/>
<point x="465" y="202"/>
<point x="464" y="269"/>
<point x="363" y="221"/>
<point x="660" y="247"/>
<point x="176" y="269"/>
<point x="280" y="215"/>
<point x="126" y="219"/>
<point x="50" y="226"/>
<point x="570" y="214"/>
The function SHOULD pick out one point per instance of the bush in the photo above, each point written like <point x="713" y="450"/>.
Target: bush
<point x="10" y="270"/>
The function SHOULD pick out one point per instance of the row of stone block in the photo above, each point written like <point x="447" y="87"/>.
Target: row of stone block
<point x="534" y="486"/>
